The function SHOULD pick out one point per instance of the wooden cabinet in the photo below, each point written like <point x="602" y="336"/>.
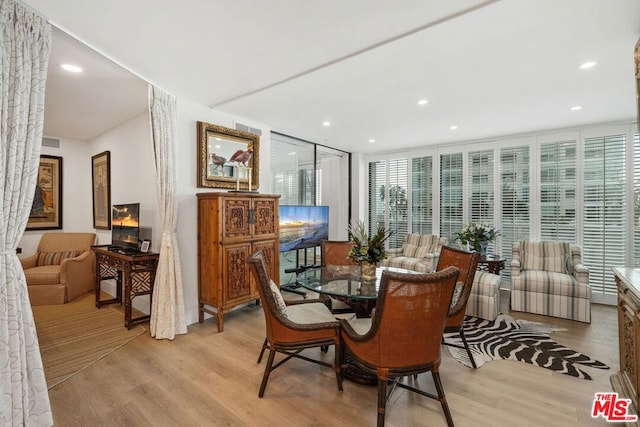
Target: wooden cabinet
<point x="231" y="226"/>
<point x="627" y="381"/>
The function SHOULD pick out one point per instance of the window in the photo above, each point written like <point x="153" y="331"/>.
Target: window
<point x="604" y="210"/>
<point x="481" y="192"/>
<point x="388" y="198"/>
<point x="422" y="195"/>
<point x="636" y="200"/>
<point x="514" y="189"/>
<point x="555" y="224"/>
<point x="451" y="220"/>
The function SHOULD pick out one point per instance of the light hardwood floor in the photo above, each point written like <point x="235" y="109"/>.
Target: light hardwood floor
<point x="206" y="378"/>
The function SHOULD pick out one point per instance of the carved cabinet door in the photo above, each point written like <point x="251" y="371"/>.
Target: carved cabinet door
<point x="265" y="224"/>
<point x="629" y="318"/>
<point x="237" y="276"/>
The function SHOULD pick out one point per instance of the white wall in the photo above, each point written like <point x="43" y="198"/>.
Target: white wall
<point x="186" y="139"/>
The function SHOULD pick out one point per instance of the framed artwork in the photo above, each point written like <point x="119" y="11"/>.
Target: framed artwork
<point x="46" y="211"/>
<point x="101" y="190"/>
<point x="227" y="158"/>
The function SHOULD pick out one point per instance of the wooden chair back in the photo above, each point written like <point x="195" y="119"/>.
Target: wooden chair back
<point x="467" y="262"/>
<point x="334" y="252"/>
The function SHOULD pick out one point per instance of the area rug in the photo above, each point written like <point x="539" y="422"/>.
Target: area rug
<point x="508" y="338"/>
<point x="74" y="342"/>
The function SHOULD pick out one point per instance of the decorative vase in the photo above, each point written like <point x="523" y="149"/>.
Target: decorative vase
<point x="483" y="248"/>
<point x="367" y="271"/>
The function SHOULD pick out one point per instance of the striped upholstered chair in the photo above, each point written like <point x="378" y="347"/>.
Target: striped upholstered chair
<point x="548" y="278"/>
<point x="419" y="252"/>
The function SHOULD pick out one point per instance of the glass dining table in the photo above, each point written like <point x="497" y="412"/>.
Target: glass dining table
<point x="343" y="282"/>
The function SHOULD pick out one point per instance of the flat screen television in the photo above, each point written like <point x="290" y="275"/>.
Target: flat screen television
<point x="303" y="227"/>
<point x="125" y="225"/>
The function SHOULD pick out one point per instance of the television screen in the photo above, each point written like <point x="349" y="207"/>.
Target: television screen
<point x="125" y="225"/>
<point x="303" y="226"/>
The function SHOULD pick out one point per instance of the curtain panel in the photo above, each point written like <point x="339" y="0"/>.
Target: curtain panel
<point x="25" y="43"/>
<point x="167" y="310"/>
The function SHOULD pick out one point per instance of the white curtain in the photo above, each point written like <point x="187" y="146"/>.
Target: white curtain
<point x="25" y="42"/>
<point x="167" y="310"/>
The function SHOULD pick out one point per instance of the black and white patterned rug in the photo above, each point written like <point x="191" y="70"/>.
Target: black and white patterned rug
<point x="508" y="338"/>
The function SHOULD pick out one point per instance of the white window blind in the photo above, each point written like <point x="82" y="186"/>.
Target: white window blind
<point x="515" y="191"/>
<point x="636" y="200"/>
<point x="422" y="195"/>
<point x="557" y="191"/>
<point x="604" y="210"/>
<point x="480" y="193"/>
<point x="397" y="199"/>
<point x="451" y="220"/>
<point x="377" y="180"/>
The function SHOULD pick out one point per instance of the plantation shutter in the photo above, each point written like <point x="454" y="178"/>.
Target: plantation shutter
<point x="636" y="200"/>
<point x="377" y="179"/>
<point x="480" y="188"/>
<point x="422" y="195"/>
<point x="451" y="220"/>
<point x="397" y="200"/>
<point x="604" y="210"/>
<point x="515" y="191"/>
<point x="558" y="191"/>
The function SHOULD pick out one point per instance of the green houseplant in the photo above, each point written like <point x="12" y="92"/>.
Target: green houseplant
<point x="367" y="248"/>
<point x="477" y="235"/>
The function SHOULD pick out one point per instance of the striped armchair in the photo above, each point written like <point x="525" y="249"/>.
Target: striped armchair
<point x="419" y="252"/>
<point x="548" y="278"/>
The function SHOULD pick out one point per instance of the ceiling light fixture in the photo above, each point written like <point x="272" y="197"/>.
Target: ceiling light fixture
<point x="423" y="102"/>
<point x="371" y="141"/>
<point x="71" y="68"/>
<point x="453" y="127"/>
<point x="589" y="64"/>
<point x="326" y="124"/>
<point x="576" y="108"/>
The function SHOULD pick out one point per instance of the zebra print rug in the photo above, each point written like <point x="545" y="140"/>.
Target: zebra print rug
<point x="516" y="339"/>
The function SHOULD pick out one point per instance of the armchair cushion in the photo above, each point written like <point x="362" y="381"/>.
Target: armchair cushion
<point x="44" y="275"/>
<point x="409" y="250"/>
<point x="306" y="314"/>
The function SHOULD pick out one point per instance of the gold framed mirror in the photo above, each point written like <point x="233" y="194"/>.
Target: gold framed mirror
<point x="227" y="158"/>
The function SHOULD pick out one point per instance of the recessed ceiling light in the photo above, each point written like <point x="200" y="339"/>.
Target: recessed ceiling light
<point x="576" y="108"/>
<point x="423" y="102"/>
<point x="293" y="153"/>
<point x="371" y="141"/>
<point x="71" y="68"/>
<point x="453" y="127"/>
<point x="589" y="64"/>
<point x="326" y="124"/>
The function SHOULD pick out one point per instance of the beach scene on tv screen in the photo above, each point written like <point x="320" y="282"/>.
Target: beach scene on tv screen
<point x="303" y="226"/>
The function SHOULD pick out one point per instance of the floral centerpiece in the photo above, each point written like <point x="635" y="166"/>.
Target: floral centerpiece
<point x="477" y="235"/>
<point x="367" y="250"/>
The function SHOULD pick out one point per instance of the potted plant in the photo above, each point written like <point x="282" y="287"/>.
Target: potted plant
<point x="367" y="250"/>
<point x="477" y="235"/>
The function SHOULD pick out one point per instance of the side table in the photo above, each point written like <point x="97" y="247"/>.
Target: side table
<point x="491" y="263"/>
<point x="135" y="274"/>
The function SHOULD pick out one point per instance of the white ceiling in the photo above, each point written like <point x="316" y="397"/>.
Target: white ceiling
<point x="490" y="67"/>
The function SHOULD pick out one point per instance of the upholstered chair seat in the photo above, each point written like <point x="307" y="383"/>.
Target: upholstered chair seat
<point x="484" y="300"/>
<point x="62" y="269"/>
<point x="548" y="278"/>
<point x="419" y="252"/>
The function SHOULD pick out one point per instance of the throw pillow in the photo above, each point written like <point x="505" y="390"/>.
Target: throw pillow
<point x="422" y="251"/>
<point x="55" y="258"/>
<point x="278" y="297"/>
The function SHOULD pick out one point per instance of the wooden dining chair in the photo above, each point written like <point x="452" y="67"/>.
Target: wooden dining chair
<point x="467" y="262"/>
<point x="294" y="326"/>
<point x="405" y="334"/>
<point x="335" y="252"/>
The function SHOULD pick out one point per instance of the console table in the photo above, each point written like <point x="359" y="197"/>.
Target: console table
<point x="135" y="274"/>
<point x="627" y="381"/>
